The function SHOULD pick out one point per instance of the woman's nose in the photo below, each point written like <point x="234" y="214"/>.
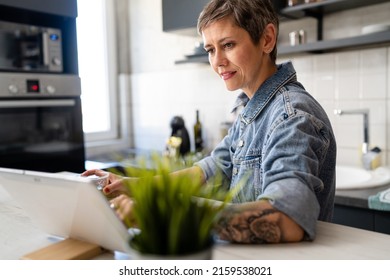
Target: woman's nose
<point x="218" y="59"/>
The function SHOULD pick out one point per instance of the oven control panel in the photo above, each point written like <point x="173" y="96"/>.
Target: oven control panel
<point x="42" y="85"/>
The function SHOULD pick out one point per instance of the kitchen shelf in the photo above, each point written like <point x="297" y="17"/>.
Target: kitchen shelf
<point x="324" y="7"/>
<point x="330" y="45"/>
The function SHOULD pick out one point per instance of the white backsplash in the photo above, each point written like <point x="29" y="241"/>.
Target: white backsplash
<point x="345" y="80"/>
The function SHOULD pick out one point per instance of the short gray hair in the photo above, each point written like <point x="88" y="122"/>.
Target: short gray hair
<point x="251" y="15"/>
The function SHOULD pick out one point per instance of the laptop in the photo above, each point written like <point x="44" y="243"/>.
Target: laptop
<point x="66" y="206"/>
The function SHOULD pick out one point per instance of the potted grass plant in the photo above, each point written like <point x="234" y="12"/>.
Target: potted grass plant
<point x="175" y="215"/>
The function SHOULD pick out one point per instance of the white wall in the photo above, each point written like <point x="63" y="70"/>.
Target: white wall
<point x="349" y="79"/>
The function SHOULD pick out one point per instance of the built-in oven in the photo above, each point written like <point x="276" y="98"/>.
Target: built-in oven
<point x="41" y="122"/>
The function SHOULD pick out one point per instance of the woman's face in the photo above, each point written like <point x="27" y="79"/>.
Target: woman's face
<point x="235" y="58"/>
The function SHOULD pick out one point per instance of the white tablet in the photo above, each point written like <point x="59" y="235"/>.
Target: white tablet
<point x="66" y="205"/>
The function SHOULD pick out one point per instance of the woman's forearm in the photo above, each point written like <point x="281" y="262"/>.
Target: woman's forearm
<point x="257" y="222"/>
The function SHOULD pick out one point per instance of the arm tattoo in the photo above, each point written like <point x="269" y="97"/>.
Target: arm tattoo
<point x="250" y="226"/>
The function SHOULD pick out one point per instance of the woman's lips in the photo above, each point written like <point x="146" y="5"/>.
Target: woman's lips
<point x="227" y="75"/>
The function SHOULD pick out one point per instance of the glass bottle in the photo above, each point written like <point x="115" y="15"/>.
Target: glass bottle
<point x="198" y="134"/>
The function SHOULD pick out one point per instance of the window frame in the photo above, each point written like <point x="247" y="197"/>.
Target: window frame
<point x="117" y="137"/>
<point x="110" y="60"/>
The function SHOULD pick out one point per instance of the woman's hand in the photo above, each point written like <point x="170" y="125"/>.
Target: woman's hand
<point x="123" y="206"/>
<point x="115" y="185"/>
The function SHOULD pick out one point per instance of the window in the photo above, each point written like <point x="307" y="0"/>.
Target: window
<point x="97" y="69"/>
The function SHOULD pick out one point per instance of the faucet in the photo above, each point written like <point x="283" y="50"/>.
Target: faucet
<point x="365" y="113"/>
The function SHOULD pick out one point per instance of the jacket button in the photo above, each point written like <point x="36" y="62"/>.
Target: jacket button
<point x="241" y="143"/>
<point x="235" y="171"/>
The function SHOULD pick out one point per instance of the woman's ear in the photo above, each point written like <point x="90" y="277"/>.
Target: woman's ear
<point x="269" y="38"/>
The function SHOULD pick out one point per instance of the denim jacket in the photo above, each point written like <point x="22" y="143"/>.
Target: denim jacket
<point x="283" y="145"/>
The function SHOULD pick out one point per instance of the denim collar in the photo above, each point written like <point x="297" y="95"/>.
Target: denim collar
<point x="285" y="73"/>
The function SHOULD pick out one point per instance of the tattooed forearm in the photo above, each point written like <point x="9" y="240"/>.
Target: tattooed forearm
<point x="250" y="226"/>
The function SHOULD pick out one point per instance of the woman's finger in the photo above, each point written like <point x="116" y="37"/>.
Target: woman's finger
<point x="123" y="206"/>
<point x="96" y="172"/>
<point x="116" y="187"/>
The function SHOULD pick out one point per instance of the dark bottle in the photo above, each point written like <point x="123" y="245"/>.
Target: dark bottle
<point x="198" y="134"/>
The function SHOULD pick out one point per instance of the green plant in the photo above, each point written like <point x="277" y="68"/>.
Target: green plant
<point x="175" y="214"/>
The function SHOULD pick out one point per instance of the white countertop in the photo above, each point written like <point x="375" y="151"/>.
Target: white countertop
<point x="19" y="236"/>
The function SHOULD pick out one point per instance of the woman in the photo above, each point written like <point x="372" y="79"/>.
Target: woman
<point x="282" y="138"/>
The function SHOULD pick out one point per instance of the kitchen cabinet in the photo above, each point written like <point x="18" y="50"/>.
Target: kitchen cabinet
<point x="363" y="218"/>
<point x="352" y="209"/>
<point x="354" y="217"/>
<point x="382" y="221"/>
<point x="318" y="10"/>
<point x="66" y="8"/>
<point x="181" y="16"/>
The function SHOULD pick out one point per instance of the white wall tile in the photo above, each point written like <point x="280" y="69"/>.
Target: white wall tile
<point x="347" y="75"/>
<point x="387" y="139"/>
<point x="350" y="22"/>
<point x="348" y="156"/>
<point x="373" y="73"/>
<point x="324" y="67"/>
<point x="375" y="14"/>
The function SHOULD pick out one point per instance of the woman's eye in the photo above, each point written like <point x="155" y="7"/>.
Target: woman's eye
<point x="209" y="51"/>
<point x="228" y="45"/>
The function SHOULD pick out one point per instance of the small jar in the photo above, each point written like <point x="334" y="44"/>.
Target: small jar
<point x="302" y="36"/>
<point x="294" y="38"/>
<point x="292" y="2"/>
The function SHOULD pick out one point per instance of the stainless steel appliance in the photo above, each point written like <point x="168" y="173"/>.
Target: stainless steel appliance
<point x="30" y="48"/>
<point x="41" y="122"/>
<point x="40" y="106"/>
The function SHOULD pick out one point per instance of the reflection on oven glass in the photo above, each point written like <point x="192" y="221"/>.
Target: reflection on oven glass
<point x="32" y="129"/>
<point x="51" y="147"/>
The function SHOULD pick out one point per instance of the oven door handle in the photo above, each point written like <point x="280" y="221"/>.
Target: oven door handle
<point x="37" y="103"/>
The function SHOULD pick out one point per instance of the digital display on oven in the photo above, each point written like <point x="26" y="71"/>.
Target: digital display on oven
<point x="54" y="37"/>
<point x="32" y="86"/>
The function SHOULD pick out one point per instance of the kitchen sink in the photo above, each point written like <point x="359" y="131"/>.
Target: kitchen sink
<point x="350" y="177"/>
